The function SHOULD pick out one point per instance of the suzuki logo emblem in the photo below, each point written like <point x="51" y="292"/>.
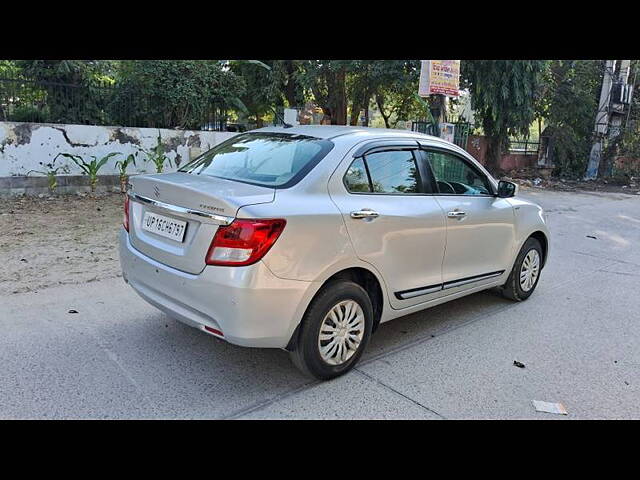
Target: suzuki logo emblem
<point x="156" y="191"/>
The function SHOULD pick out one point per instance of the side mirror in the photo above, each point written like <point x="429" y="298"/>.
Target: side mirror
<point x="507" y="189"/>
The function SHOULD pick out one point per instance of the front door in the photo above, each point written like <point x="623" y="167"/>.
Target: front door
<point x="394" y="222"/>
<point x="480" y="226"/>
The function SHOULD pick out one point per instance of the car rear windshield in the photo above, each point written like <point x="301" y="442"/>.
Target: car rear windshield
<point x="268" y="159"/>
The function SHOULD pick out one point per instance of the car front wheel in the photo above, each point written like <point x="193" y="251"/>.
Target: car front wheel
<point x="334" y="331"/>
<point x="526" y="272"/>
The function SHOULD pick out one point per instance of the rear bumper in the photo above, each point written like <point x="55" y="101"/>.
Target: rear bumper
<point x="249" y="305"/>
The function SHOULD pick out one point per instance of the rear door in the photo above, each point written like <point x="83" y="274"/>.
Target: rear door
<point x="197" y="204"/>
<point x="480" y="226"/>
<point x="394" y="223"/>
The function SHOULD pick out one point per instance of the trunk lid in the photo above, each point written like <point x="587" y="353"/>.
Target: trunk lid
<point x="204" y="202"/>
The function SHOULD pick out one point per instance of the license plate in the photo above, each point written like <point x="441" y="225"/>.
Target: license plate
<point x="164" y="226"/>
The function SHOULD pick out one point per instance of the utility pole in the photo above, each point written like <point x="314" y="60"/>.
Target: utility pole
<point x="619" y="105"/>
<point x="439" y="108"/>
<point x="439" y="79"/>
<point x="602" y="121"/>
<point x="617" y="102"/>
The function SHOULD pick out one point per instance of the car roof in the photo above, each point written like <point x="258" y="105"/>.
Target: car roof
<point x="332" y="131"/>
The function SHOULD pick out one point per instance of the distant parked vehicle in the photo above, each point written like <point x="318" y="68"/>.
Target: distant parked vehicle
<point x="236" y="127"/>
<point x="307" y="238"/>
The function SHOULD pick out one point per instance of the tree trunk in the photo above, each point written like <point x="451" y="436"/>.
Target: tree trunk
<point x="358" y="106"/>
<point x="494" y="153"/>
<point x="326" y="116"/>
<point x="290" y="87"/>
<point x="380" y="103"/>
<point x="439" y="108"/>
<point x="355" y="112"/>
<point x="338" y="97"/>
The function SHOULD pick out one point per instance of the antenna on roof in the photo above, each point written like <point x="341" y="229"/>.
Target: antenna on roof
<point x="279" y="117"/>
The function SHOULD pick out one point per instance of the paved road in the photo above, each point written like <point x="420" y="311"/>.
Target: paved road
<point x="578" y="335"/>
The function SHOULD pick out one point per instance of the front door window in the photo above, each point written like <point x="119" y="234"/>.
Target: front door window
<point x="454" y="176"/>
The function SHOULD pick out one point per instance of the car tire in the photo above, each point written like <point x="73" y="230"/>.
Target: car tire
<point x="519" y="285"/>
<point x="317" y="357"/>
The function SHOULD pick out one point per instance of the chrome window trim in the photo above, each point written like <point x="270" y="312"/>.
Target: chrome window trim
<point x="222" y="219"/>
<point x="384" y="144"/>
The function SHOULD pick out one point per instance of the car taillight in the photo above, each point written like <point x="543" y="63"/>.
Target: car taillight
<point x="125" y="218"/>
<point x="244" y="241"/>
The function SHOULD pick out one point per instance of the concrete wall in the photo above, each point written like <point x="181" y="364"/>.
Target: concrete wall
<point x="24" y="145"/>
<point x="629" y="165"/>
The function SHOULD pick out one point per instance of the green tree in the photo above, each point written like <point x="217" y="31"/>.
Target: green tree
<point x="259" y="94"/>
<point x="8" y="69"/>
<point x="503" y="95"/>
<point x="395" y="84"/>
<point x="58" y="88"/>
<point x="73" y="72"/>
<point x="361" y="86"/>
<point x="286" y="85"/>
<point x="568" y="102"/>
<point x="326" y="80"/>
<point x="177" y="93"/>
<point x="343" y="86"/>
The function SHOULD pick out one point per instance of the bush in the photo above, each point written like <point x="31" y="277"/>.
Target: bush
<point x="175" y="93"/>
<point x="28" y="113"/>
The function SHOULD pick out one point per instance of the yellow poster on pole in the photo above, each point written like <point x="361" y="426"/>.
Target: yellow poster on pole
<point x="439" y="77"/>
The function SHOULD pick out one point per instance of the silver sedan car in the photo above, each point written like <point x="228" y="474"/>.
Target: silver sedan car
<point x="307" y="238"/>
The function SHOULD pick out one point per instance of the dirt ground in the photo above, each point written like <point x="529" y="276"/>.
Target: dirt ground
<point x="58" y="240"/>
<point x="72" y="239"/>
<point x="531" y="178"/>
<point x="630" y="188"/>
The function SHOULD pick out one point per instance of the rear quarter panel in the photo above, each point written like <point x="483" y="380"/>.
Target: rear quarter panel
<point x="314" y="243"/>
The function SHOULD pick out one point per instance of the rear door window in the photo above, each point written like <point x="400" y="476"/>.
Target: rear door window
<point x="356" y="178"/>
<point x="393" y="171"/>
<point x="389" y="171"/>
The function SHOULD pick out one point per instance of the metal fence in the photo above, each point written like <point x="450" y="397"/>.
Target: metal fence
<point x="425" y="127"/>
<point x="526" y="147"/>
<point x="460" y="131"/>
<point x="24" y="100"/>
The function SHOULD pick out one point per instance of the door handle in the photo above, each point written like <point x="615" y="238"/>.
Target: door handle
<point x="457" y="214"/>
<point x="365" y="213"/>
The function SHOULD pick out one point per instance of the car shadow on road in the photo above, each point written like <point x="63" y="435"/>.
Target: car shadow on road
<point x="432" y="322"/>
<point x="209" y="377"/>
